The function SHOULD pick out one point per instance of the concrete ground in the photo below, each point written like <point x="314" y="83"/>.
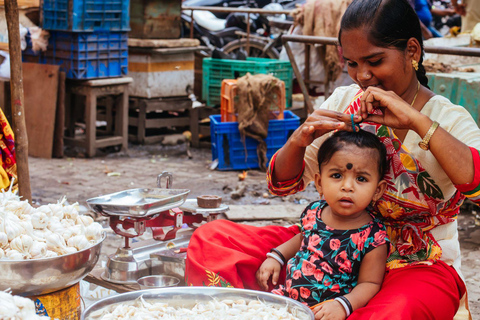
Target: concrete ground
<point x="79" y="179"/>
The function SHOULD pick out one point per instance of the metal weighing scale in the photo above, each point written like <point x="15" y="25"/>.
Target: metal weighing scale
<point x="167" y="212"/>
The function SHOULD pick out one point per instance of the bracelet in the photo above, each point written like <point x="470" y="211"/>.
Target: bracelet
<point x="346" y="305"/>
<point x="273" y="256"/>
<point x="279" y="254"/>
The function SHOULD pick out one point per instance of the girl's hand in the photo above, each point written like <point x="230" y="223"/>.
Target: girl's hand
<point x="395" y="112"/>
<point x="330" y="310"/>
<point x="269" y="267"/>
<point x="322" y="121"/>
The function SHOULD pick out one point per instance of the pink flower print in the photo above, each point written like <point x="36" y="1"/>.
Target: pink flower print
<point x="308" y="222"/>
<point x="296" y="274"/>
<point x="288" y="285"/>
<point x="328" y="228"/>
<point x="334" y="244"/>
<point x="359" y="238"/>
<point x="304" y="293"/>
<point x="335" y="288"/>
<point x="326" y="267"/>
<point x="294" y="294"/>
<point x="345" y="265"/>
<point x="308" y="268"/>
<point x="314" y="240"/>
<point x="327" y="282"/>
<point x="379" y="238"/>
<point x="318" y="274"/>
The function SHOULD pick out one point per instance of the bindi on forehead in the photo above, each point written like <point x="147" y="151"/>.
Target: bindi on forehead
<point x="349" y="166"/>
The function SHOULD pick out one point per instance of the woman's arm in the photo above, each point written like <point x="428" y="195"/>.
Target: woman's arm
<point x="289" y="160"/>
<point x="370" y="278"/>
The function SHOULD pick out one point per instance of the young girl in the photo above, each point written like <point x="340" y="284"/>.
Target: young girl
<point x="343" y="247"/>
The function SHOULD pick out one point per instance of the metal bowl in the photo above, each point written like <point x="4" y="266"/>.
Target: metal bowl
<point x="188" y="296"/>
<point x="41" y="276"/>
<point x="157" y="281"/>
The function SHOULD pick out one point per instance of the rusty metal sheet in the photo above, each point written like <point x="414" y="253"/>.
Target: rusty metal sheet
<point x="155" y="19"/>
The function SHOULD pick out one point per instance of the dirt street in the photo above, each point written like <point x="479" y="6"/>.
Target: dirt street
<point x="79" y="179"/>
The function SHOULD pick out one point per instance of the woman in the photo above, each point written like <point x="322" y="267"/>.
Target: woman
<point x="382" y="45"/>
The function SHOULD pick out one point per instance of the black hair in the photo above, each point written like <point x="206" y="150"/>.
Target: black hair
<point x="361" y="139"/>
<point x="390" y="23"/>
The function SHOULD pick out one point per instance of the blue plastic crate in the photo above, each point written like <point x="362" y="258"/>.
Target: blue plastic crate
<point x="233" y="154"/>
<point x="84" y="55"/>
<point x="85" y="15"/>
<point x="216" y="70"/>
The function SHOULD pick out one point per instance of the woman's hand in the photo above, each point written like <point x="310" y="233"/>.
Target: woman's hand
<point x="395" y="112"/>
<point x="269" y="268"/>
<point x="322" y="121"/>
<point x="330" y="310"/>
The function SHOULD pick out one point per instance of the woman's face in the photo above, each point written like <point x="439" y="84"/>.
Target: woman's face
<point x="369" y="65"/>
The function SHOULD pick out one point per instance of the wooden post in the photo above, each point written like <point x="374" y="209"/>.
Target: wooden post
<point x="16" y="89"/>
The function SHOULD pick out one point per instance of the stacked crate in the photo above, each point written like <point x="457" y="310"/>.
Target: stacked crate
<point x="88" y="38"/>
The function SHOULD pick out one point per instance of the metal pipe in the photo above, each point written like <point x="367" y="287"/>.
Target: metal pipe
<point x="460" y="51"/>
<point x="244" y="10"/>
<point x="191" y="24"/>
<point x="248" y="33"/>
<point x="298" y="74"/>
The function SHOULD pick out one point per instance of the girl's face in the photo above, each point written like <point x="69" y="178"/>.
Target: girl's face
<point x="350" y="180"/>
<point x="369" y="65"/>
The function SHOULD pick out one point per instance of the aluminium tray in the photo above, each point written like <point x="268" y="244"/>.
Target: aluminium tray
<point x="138" y="202"/>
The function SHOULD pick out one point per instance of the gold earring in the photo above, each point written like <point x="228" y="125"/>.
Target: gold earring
<point x="415" y="64"/>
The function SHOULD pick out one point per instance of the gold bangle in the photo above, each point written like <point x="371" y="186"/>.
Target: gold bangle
<point x="424" y="144"/>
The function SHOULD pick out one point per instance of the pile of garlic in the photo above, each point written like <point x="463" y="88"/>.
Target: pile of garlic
<point x="212" y="310"/>
<point x="47" y="231"/>
<point x="17" y="308"/>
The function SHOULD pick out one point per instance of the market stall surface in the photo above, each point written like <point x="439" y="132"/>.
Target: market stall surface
<point x="79" y="179"/>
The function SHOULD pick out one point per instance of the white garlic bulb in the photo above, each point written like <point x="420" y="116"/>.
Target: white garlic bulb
<point x="13" y="227"/>
<point x="56" y="243"/>
<point x="50" y="254"/>
<point x="14" y="255"/>
<point x="71" y="212"/>
<point x="2" y="254"/>
<point x="94" y="232"/>
<point x="84" y="220"/>
<point x="22" y="244"/>
<point x="3" y="240"/>
<point x="38" y="249"/>
<point x="39" y="220"/>
<point x="79" y="242"/>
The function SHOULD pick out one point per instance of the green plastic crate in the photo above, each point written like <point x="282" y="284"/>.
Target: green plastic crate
<point x="215" y="70"/>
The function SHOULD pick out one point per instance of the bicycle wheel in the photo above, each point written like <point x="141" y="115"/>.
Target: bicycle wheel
<point x="256" y="49"/>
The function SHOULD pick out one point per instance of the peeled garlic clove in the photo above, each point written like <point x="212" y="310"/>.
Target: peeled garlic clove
<point x="38" y="249"/>
<point x="39" y="220"/>
<point x="84" y="220"/>
<point x="94" y="232"/>
<point x="79" y="242"/>
<point x="3" y="240"/>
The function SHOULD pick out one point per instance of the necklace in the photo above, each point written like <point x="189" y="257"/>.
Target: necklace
<point x="416" y="94"/>
<point x="414" y="98"/>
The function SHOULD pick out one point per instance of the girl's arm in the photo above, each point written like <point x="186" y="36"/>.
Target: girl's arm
<point x="370" y="278"/>
<point x="291" y="247"/>
<point x="271" y="267"/>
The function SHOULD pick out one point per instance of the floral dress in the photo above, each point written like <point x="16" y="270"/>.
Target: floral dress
<point x="328" y="262"/>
